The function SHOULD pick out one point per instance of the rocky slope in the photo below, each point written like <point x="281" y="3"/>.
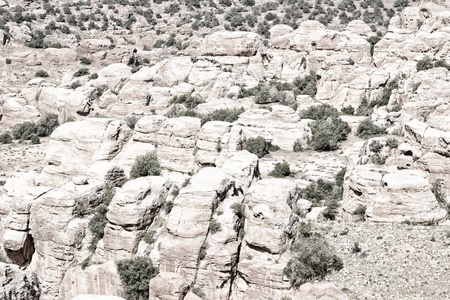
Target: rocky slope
<point x="215" y="221"/>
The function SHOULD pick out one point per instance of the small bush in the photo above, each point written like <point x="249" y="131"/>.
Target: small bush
<point x="361" y="212"/>
<point x="81" y="72"/>
<point x="214" y="226"/>
<point x="47" y="124"/>
<point x="168" y="207"/>
<point x="131" y="121"/>
<point x="367" y="129"/>
<point x="280" y="170"/>
<point x="8" y="61"/>
<point x="364" y="109"/>
<point x="298" y="146"/>
<point x="149" y="237"/>
<point x="98" y="222"/>
<point x="424" y="64"/>
<point x="202" y="253"/>
<point x="226" y="115"/>
<point x="146" y="165"/>
<point x="41" y="73"/>
<point x="199" y="292"/>
<point x="6" y="138"/>
<point x="356" y="248"/>
<point x="305" y="86"/>
<point x="326" y="134"/>
<point x="74" y="85"/>
<point x="319" y="112"/>
<point x="35" y="139"/>
<point x="258" y="146"/>
<point x="311" y="259"/>
<point x="85" y="61"/>
<point x="375" y="146"/>
<point x="93" y="76"/>
<point x="348" y="110"/>
<point x="135" y="274"/>
<point x="437" y="189"/>
<point x="392" y="143"/>
<point x="189" y="101"/>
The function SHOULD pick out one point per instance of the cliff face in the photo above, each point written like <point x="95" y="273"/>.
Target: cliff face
<point x="215" y="219"/>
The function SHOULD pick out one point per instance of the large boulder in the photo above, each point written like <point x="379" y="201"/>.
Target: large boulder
<point x="227" y="43"/>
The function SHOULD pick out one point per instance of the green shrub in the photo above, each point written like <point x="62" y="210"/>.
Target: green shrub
<point x="214" y="226"/>
<point x="131" y="121"/>
<point x="202" y="253"/>
<point x="319" y="112"/>
<point x="298" y="147"/>
<point x="424" y="64"/>
<point x="375" y="146"/>
<point x="41" y="73"/>
<point x="146" y="165"/>
<point x="361" y="211"/>
<point x="168" y="205"/>
<point x="326" y="134"/>
<point x="280" y="170"/>
<point x="81" y="72"/>
<point x="74" y="85"/>
<point x="317" y="190"/>
<point x="47" y="124"/>
<point x="199" y="292"/>
<point x="149" y="237"/>
<point x="364" y="109"/>
<point x="339" y="177"/>
<point x="23" y="130"/>
<point x="378" y="159"/>
<point x="93" y="76"/>
<point x="311" y="259"/>
<point x="348" y="110"/>
<point x="189" y="101"/>
<point x="258" y="146"/>
<point x="6" y="138"/>
<point x="392" y="142"/>
<point x="98" y="222"/>
<point x="8" y="61"/>
<point x="37" y="40"/>
<point x="239" y="212"/>
<point x="367" y="129"/>
<point x="226" y="115"/>
<point x="306" y="85"/>
<point x="85" y="61"/>
<point x="35" y="139"/>
<point x="135" y="274"/>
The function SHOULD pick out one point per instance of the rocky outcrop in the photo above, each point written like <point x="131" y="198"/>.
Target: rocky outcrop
<point x="16" y="284"/>
<point x="281" y="126"/>
<point x="396" y="196"/>
<point x="75" y="146"/>
<point x="132" y="210"/>
<point x="176" y="143"/>
<point x="168" y="286"/>
<point x="96" y="280"/>
<point x="228" y="43"/>
<point x="178" y="249"/>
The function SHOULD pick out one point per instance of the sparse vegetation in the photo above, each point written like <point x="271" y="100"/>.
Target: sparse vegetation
<point x="367" y="129"/>
<point x="259" y="146"/>
<point x="146" y="165"/>
<point x="6" y="138"/>
<point x="44" y="127"/>
<point x="98" y="222"/>
<point x="41" y="73"/>
<point x="280" y="170"/>
<point x="214" y="226"/>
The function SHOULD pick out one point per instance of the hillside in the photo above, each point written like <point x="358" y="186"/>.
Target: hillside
<point x="224" y="150"/>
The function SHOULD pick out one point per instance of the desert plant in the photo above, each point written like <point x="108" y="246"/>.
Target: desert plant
<point x="135" y="274"/>
<point x="392" y="142"/>
<point x="375" y="146"/>
<point x="74" y="85"/>
<point x="41" y="73"/>
<point x="348" y="110"/>
<point x="319" y="112"/>
<point x="280" y="170"/>
<point x="306" y="85"/>
<point x="298" y="146"/>
<point x="258" y="146"/>
<point x="189" y="101"/>
<point x="98" y="222"/>
<point x="225" y="114"/>
<point x="214" y="226"/>
<point x="132" y="120"/>
<point x="6" y="138"/>
<point x="93" y="76"/>
<point x="326" y="134"/>
<point x="47" y="124"/>
<point x="168" y="205"/>
<point x="81" y="72"/>
<point x="361" y="211"/>
<point x="35" y="139"/>
<point x="85" y="61"/>
<point x="149" y="237"/>
<point x="312" y="258"/>
<point x="146" y="165"/>
<point x="356" y="248"/>
<point x="367" y="129"/>
<point x="8" y="61"/>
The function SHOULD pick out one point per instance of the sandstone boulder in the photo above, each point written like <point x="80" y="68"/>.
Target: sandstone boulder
<point x="16" y="284"/>
<point x="236" y="43"/>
